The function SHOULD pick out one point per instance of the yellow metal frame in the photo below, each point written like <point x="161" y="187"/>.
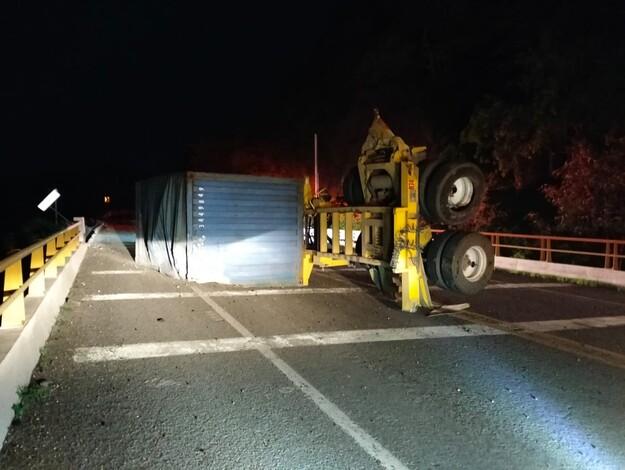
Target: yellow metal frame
<point x="392" y="237"/>
<point x="409" y="233"/>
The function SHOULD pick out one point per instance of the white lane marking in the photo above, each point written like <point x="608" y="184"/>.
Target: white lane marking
<point x="254" y="292"/>
<point x="367" y="442"/>
<point x="300" y="290"/>
<point x="526" y="285"/>
<point x="121" y="271"/>
<point x="173" y="348"/>
<point x="138" y="296"/>
<point x="223" y="293"/>
<point x="571" y="324"/>
<point x="181" y="348"/>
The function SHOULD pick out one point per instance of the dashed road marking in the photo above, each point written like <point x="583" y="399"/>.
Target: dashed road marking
<point x="181" y="348"/>
<point x="222" y="293"/>
<point x="526" y="285"/>
<point x="570" y="324"/>
<point x="297" y="291"/>
<point x="138" y="296"/>
<point x="119" y="271"/>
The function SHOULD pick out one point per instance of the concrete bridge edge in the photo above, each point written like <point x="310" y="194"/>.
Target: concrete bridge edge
<point x="558" y="270"/>
<point x="17" y="367"/>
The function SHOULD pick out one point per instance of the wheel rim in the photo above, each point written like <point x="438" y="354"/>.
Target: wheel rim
<point x="461" y="193"/>
<point x="474" y="263"/>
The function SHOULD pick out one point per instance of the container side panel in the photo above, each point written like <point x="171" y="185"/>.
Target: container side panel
<point x="246" y="232"/>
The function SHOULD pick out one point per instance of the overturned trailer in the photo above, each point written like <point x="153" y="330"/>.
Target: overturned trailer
<point x="230" y="229"/>
<point x="395" y="191"/>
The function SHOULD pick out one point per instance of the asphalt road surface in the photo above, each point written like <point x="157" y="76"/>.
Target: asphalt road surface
<point x="144" y="371"/>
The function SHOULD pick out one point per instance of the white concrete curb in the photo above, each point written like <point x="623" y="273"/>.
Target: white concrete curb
<point x="18" y="365"/>
<point x="605" y="276"/>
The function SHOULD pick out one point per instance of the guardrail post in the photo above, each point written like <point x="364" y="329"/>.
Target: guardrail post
<point x="50" y="271"/>
<point x="542" y="249"/>
<point x="15" y="314"/>
<point x="548" y="247"/>
<point x="37" y="287"/>
<point x="607" y="260"/>
<point x="494" y="240"/>
<point x="81" y="228"/>
<point x="60" y="244"/>
<point x="612" y="260"/>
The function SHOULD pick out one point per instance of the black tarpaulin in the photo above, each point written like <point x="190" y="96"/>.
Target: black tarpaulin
<point x="161" y="224"/>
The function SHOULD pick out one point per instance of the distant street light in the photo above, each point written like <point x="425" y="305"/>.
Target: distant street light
<point x="48" y="201"/>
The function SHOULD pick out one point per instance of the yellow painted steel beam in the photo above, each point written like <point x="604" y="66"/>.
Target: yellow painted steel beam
<point x="323" y="233"/>
<point x="336" y="232"/>
<point x="327" y="262"/>
<point x="307" y="266"/>
<point x="349" y="240"/>
<point x="409" y="237"/>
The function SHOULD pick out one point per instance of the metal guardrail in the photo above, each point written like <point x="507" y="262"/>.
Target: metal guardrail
<point x="582" y="249"/>
<point x="590" y="252"/>
<point x="25" y="272"/>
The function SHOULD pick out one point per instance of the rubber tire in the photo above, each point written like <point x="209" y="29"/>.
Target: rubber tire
<point x="352" y="189"/>
<point x="426" y="168"/>
<point x="440" y="185"/>
<point x="432" y="253"/>
<point x="451" y="262"/>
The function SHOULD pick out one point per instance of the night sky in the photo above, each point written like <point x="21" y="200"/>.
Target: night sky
<point x="100" y="94"/>
<point x="103" y="93"/>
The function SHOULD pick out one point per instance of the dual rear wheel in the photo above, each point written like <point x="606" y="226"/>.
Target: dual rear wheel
<point x="460" y="261"/>
<point x="451" y="191"/>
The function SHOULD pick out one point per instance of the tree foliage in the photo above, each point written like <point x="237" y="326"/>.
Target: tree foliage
<point x="556" y="129"/>
<point x="590" y="191"/>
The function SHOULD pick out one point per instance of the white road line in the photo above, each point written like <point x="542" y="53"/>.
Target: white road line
<point x="138" y="296"/>
<point x="255" y="292"/>
<point x="173" y="348"/>
<point x="300" y="290"/>
<point x="526" y="285"/>
<point x="369" y="444"/>
<point x="182" y="348"/>
<point x="117" y="272"/>
<point x="223" y="293"/>
<point x="572" y="324"/>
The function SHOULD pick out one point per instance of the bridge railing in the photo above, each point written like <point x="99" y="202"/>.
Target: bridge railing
<point x="591" y="252"/>
<point x="24" y="273"/>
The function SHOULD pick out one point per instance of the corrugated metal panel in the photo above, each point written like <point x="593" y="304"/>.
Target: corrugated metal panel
<point x="245" y="230"/>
